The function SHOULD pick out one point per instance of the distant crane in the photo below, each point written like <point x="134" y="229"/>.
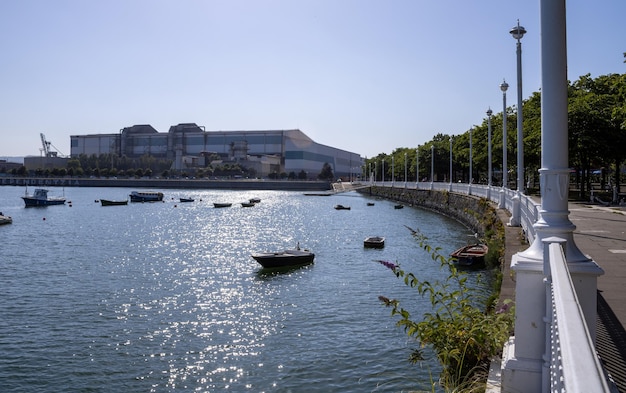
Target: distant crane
<point x="46" y="147"/>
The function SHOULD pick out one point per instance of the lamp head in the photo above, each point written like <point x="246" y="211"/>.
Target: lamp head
<point x="504" y="86"/>
<point x="518" y="31"/>
<point x="489" y="112"/>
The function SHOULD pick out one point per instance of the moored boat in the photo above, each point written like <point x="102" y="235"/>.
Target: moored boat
<point x="5" y="219"/>
<point x="374" y="242"/>
<point x="40" y="198"/>
<point x="108" y="202"/>
<point x="247" y="204"/>
<point x="471" y="255"/>
<point x="342" y="207"/>
<point x="285" y="258"/>
<point x="398" y="206"/>
<point x="146" y="196"/>
<point x="217" y="204"/>
<point x="187" y="199"/>
<point x="254" y="200"/>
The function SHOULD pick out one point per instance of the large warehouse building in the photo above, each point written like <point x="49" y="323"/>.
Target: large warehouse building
<point x="190" y="146"/>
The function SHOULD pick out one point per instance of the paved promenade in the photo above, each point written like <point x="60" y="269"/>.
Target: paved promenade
<point x="600" y="234"/>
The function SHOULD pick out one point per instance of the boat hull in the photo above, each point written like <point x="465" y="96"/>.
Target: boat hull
<point x="106" y="202"/>
<point x="32" y="202"/>
<point x="284" y="259"/>
<point x="471" y="255"/>
<point x="147" y="196"/>
<point x="374" y="242"/>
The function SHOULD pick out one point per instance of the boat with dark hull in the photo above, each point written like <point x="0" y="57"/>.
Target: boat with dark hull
<point x="222" y="204"/>
<point x="471" y="255"/>
<point x="108" y="202"/>
<point x="342" y="207"/>
<point x="285" y="258"/>
<point x="183" y="200"/>
<point x="146" y="196"/>
<point x="40" y="198"/>
<point x="374" y="242"/>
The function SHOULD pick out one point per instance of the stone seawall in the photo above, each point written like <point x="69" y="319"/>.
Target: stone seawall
<point x="244" y="184"/>
<point x="474" y="212"/>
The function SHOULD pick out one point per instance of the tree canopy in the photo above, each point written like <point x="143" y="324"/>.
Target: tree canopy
<point x="596" y="140"/>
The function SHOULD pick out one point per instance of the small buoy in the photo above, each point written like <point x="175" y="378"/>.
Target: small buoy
<point x="44" y="218"/>
<point x="175" y="205"/>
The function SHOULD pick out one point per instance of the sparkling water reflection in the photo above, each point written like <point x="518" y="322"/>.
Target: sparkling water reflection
<point x="164" y="296"/>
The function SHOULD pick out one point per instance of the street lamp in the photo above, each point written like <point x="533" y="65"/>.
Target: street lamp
<point x="393" y="175"/>
<point x="471" y="177"/>
<point x="405" y="170"/>
<point x="432" y="165"/>
<point x="518" y="32"/>
<point x="375" y="171"/>
<point x="450" y="189"/>
<point x="504" y="86"/>
<point x="383" y="170"/>
<point x="489" y="113"/>
<point x="417" y="167"/>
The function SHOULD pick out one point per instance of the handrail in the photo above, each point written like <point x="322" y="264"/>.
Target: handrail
<point x="570" y="362"/>
<point x="528" y="206"/>
<point x="573" y="364"/>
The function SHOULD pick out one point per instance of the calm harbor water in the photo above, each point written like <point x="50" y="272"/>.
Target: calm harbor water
<point x="165" y="296"/>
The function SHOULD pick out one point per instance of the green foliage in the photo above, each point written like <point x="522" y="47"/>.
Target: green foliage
<point x="463" y="335"/>
<point x="326" y="173"/>
<point x="596" y="132"/>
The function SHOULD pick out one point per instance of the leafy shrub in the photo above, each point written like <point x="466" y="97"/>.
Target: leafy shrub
<point x="462" y="329"/>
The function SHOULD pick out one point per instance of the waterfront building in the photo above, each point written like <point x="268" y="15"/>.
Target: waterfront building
<point x="191" y="146"/>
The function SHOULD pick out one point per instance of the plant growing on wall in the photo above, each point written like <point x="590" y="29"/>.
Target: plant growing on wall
<point x="462" y="334"/>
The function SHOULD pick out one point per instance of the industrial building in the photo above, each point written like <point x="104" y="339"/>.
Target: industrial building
<point x="191" y="146"/>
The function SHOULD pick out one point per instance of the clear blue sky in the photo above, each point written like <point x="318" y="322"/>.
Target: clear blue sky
<point x="360" y="75"/>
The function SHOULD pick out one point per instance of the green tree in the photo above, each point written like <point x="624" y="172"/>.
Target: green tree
<point x="326" y="173"/>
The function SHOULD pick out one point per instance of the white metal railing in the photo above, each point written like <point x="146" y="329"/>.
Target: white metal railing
<point x="571" y="363"/>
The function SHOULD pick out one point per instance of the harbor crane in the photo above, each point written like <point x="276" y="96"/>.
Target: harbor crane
<point x="47" y="152"/>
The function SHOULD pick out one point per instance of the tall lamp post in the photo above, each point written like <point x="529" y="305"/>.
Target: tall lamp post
<point x="471" y="176"/>
<point x="518" y="32"/>
<point x="405" y="170"/>
<point x="393" y="170"/>
<point x="383" y="171"/>
<point x="450" y="188"/>
<point x="417" y="167"/>
<point x="504" y="86"/>
<point x="432" y="165"/>
<point x="489" y="113"/>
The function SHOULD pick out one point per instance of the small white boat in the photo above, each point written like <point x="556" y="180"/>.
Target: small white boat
<point x="5" y="219"/>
